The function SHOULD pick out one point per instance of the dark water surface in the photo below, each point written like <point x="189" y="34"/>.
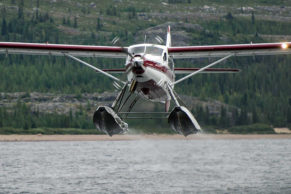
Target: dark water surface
<point x="147" y="166"/>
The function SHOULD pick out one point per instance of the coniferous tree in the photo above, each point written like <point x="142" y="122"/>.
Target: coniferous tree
<point x="98" y="25"/>
<point x="68" y="21"/>
<point x="255" y="116"/>
<point x="75" y="22"/>
<point x="243" y="118"/>
<point x="4" y="27"/>
<point x="64" y="22"/>
<point x="223" y="117"/>
<point x="20" y="9"/>
<point x="289" y="112"/>
<point x="207" y="116"/>
<point x="229" y="16"/>
<point x="253" y="17"/>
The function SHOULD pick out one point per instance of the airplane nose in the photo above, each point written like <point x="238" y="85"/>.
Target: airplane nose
<point x="138" y="67"/>
<point x="137" y="64"/>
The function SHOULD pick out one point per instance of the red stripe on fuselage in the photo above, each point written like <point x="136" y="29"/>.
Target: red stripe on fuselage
<point x="160" y="68"/>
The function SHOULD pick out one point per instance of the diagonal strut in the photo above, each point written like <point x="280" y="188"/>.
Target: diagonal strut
<point x="202" y="69"/>
<point x="95" y="68"/>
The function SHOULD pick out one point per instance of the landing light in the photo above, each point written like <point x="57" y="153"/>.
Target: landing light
<point x="284" y="46"/>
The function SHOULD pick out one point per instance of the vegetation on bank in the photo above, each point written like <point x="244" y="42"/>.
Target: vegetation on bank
<point x="257" y="128"/>
<point x="261" y="91"/>
<point x="21" y="120"/>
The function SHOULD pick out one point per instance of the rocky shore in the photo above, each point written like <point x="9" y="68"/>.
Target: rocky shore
<point x="66" y="103"/>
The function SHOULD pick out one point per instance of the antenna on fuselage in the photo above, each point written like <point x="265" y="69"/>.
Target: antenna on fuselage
<point x="145" y="47"/>
<point x="145" y="38"/>
<point x="169" y="41"/>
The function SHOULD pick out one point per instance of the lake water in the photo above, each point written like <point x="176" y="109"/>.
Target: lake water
<point x="147" y="166"/>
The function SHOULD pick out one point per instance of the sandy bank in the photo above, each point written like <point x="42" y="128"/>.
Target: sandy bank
<point x="136" y="137"/>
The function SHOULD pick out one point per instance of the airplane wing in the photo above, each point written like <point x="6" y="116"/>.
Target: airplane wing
<point x="225" y="50"/>
<point x="62" y="49"/>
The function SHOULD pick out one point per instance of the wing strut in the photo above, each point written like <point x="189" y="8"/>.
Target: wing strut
<point x="95" y="68"/>
<point x="202" y="69"/>
<point x="181" y="119"/>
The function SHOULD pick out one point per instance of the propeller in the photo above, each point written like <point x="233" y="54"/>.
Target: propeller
<point x="116" y="41"/>
<point x="136" y="61"/>
<point x="159" y="39"/>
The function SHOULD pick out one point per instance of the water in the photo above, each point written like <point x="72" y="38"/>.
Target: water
<point x="147" y="166"/>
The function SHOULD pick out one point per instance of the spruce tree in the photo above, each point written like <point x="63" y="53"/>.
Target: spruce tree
<point x="20" y="9"/>
<point x="289" y="112"/>
<point x="4" y="27"/>
<point x="98" y="25"/>
<point x="75" y="22"/>
<point x="253" y="17"/>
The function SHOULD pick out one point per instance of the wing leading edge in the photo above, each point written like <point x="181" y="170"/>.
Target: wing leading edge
<point x="119" y="52"/>
<point x="234" y="49"/>
<point x="62" y="49"/>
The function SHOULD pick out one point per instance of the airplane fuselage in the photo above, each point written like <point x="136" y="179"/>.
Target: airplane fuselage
<point x="149" y="67"/>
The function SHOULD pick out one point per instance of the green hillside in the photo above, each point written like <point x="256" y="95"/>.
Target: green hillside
<point x="261" y="91"/>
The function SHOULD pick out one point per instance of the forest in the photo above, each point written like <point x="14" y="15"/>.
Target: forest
<point x="261" y="91"/>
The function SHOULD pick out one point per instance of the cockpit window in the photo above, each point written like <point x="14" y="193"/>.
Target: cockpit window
<point x="154" y="51"/>
<point x="149" y="50"/>
<point x="137" y="50"/>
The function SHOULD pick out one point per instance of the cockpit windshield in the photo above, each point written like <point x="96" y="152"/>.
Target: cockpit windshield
<point x="138" y="50"/>
<point x="156" y="51"/>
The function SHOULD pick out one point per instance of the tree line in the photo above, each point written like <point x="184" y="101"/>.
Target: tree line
<point x="261" y="91"/>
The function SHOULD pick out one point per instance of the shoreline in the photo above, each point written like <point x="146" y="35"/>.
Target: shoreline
<point x="29" y="138"/>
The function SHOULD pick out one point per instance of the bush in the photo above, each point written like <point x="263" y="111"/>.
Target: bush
<point x="10" y="130"/>
<point x="257" y="128"/>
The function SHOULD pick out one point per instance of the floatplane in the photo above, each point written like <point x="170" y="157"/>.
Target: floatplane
<point x="150" y="73"/>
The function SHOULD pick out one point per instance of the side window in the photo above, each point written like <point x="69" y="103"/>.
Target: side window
<point x="165" y="57"/>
